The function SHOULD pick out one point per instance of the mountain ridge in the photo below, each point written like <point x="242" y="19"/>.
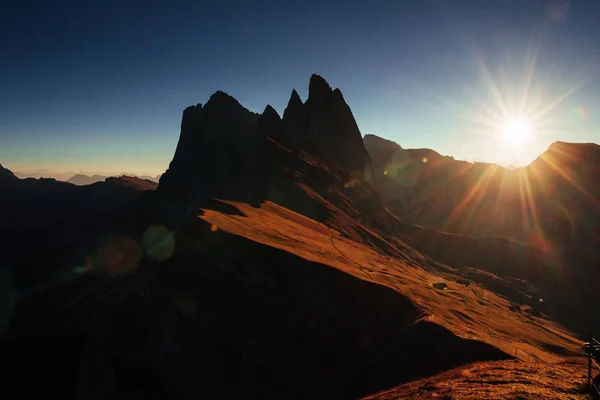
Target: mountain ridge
<point x="400" y="171"/>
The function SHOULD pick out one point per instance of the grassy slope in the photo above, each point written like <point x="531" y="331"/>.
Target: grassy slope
<point x="470" y="312"/>
<point x="496" y="380"/>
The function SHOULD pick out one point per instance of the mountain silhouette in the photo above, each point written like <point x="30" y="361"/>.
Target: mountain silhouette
<point x="228" y="152"/>
<point x="555" y="196"/>
<point x="6" y="175"/>
<point x="80" y="179"/>
<point x="56" y="218"/>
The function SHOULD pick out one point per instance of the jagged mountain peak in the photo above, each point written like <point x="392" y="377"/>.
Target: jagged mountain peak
<point x="318" y="87"/>
<point x="295" y="101"/>
<point x="223" y="101"/>
<point x="221" y="150"/>
<point x="270" y="112"/>
<point x="268" y="124"/>
<point x="220" y="95"/>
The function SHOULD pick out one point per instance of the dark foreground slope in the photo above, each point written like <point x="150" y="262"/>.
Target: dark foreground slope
<point x="260" y="322"/>
<point x="44" y="220"/>
<point x="266" y="303"/>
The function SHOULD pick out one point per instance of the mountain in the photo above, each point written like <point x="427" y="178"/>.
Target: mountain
<point x="267" y="264"/>
<point x="228" y="152"/>
<point x="79" y="179"/>
<point x="550" y="206"/>
<point x="146" y="177"/>
<point x="215" y="141"/>
<point x="133" y="182"/>
<point x="44" y="173"/>
<point x="6" y="175"/>
<point x="55" y="218"/>
<point x="554" y="198"/>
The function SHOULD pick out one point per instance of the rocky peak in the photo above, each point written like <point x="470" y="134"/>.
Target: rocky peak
<point x="294" y="132"/>
<point x="269" y="124"/>
<point x="222" y="99"/>
<point x="212" y="143"/>
<point x="294" y="109"/>
<point x="318" y="88"/>
<point x="332" y="127"/>
<point x="6" y="174"/>
<point x="270" y="113"/>
<point x="193" y="109"/>
<point x="295" y="100"/>
<point x="222" y="152"/>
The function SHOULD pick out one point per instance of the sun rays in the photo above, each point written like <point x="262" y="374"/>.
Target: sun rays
<point x="515" y="114"/>
<point x="515" y="132"/>
<point x="511" y="110"/>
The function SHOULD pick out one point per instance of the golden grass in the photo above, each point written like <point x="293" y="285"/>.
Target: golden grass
<point x="512" y="379"/>
<point x="547" y="365"/>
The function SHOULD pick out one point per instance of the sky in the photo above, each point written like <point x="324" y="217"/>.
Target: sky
<point x="101" y="86"/>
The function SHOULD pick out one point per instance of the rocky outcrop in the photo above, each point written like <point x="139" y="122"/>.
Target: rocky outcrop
<point x="214" y="149"/>
<point x="228" y="152"/>
<point x="324" y="126"/>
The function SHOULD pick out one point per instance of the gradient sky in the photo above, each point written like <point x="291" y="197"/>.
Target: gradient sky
<point x="101" y="87"/>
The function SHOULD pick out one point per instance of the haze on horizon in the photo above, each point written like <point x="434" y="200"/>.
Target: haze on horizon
<point x="101" y="87"/>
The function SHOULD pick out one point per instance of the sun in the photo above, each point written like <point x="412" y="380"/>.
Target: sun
<point x="515" y="131"/>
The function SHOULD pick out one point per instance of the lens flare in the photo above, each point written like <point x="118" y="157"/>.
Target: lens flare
<point x="158" y="242"/>
<point x="583" y="112"/>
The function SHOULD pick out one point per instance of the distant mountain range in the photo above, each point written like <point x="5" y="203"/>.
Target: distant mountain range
<point x="289" y="257"/>
<point x="79" y="178"/>
<point x="56" y="217"/>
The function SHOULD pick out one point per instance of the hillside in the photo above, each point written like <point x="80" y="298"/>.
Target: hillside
<point x="496" y="381"/>
<point x="44" y="220"/>
<point x="553" y="199"/>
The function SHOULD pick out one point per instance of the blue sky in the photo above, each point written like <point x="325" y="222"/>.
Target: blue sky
<point x="101" y="86"/>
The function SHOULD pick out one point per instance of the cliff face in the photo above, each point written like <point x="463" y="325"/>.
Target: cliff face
<point x="324" y="126"/>
<point x="213" y="148"/>
<point x="226" y="151"/>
